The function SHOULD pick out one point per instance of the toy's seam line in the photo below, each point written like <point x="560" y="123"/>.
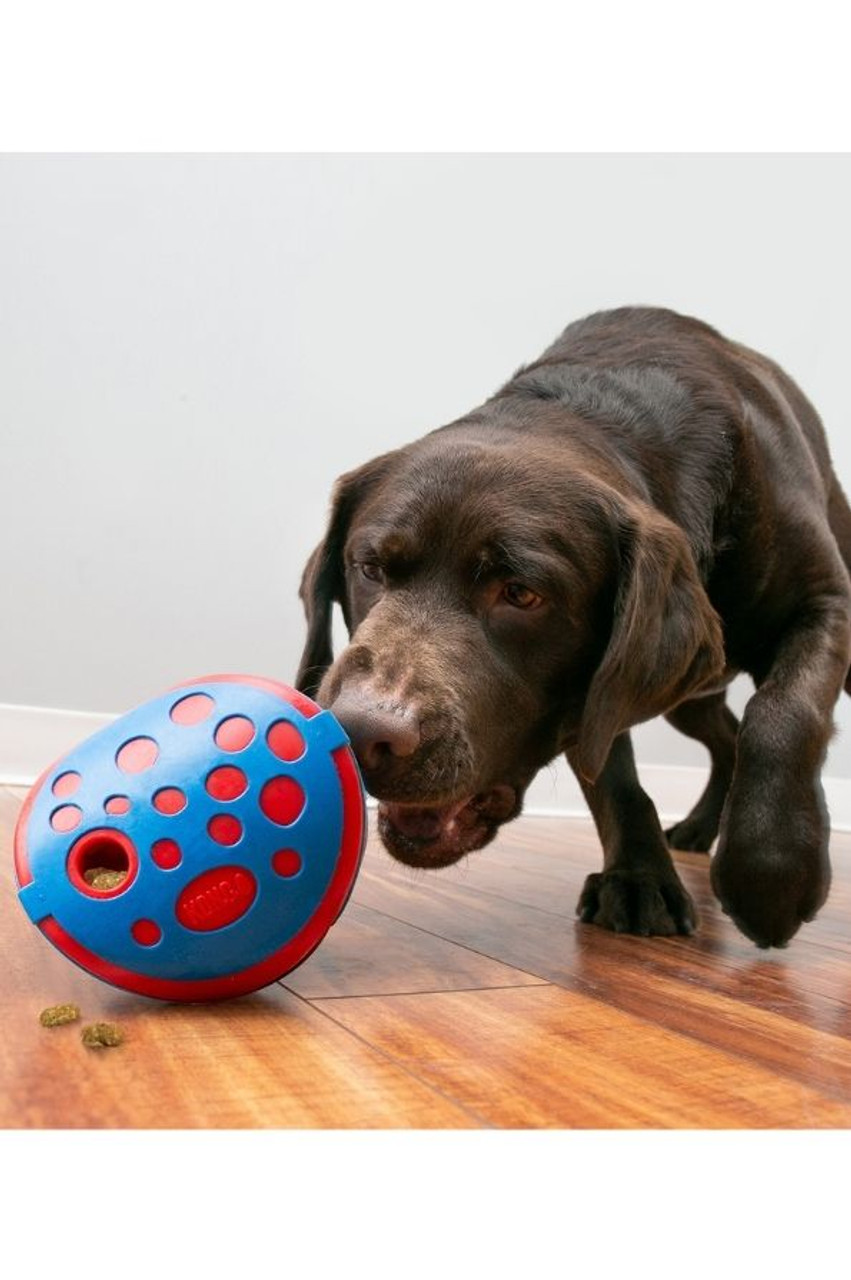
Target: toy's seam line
<point x="31" y="899"/>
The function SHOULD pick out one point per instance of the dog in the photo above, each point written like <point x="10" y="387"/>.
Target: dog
<point x="633" y="519"/>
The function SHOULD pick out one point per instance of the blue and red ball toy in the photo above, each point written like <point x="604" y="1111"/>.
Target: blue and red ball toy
<point x="199" y="847"/>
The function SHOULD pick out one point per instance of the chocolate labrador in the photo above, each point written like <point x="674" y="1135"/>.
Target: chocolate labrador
<point x="635" y="517"/>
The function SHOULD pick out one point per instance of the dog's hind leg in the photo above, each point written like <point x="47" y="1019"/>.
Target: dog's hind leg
<point x="710" y="721"/>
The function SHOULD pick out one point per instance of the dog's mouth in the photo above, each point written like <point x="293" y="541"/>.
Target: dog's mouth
<point x="430" y="835"/>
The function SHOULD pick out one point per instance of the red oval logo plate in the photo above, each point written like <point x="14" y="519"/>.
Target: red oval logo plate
<point x="216" y="898"/>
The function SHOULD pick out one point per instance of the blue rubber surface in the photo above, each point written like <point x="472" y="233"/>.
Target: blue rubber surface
<point x="187" y="754"/>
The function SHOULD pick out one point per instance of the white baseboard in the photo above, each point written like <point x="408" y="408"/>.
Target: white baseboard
<point x="673" y="789"/>
<point x="31" y="738"/>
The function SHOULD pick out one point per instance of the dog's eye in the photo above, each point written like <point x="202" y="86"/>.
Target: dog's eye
<point x="520" y="597"/>
<point x="372" y="571"/>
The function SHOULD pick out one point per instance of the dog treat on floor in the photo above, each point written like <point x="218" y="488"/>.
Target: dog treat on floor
<point x="102" y="1035"/>
<point x="104" y="877"/>
<point x="59" y="1015"/>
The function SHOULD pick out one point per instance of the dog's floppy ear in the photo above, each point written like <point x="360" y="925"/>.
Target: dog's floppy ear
<point x="323" y="580"/>
<point x="666" y="641"/>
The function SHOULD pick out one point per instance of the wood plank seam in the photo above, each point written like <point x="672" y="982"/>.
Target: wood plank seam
<point x="477" y="1119"/>
<point x="474" y="950"/>
<point x="501" y="897"/>
<point x="588" y="988"/>
<point x="429" y="991"/>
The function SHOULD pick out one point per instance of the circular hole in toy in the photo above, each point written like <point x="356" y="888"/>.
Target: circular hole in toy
<point x="285" y="741"/>
<point x="192" y="709"/>
<point x="66" y="784"/>
<point x="166" y="854"/>
<point x="169" y="800"/>
<point x="102" y="863"/>
<point x="137" y="755"/>
<point x="282" y="800"/>
<point x="66" y="818"/>
<point x="117" y="804"/>
<point x="225" y="829"/>
<point x="286" y="863"/>
<point x="235" y="733"/>
<point x="226" y="783"/>
<point x="146" y="933"/>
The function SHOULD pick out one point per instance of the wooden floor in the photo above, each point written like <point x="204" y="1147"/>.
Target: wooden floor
<point x="457" y="999"/>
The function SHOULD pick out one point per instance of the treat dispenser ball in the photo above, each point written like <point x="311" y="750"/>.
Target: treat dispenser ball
<point x="198" y="847"/>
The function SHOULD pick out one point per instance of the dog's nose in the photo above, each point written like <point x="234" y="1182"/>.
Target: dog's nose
<point x="376" y="733"/>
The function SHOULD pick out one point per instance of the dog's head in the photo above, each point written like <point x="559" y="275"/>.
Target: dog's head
<point x="503" y="604"/>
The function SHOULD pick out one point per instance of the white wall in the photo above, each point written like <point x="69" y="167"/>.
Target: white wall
<point x="192" y="348"/>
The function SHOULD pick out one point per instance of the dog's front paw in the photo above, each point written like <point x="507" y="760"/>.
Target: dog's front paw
<point x="771" y="881"/>
<point x="637" y="902"/>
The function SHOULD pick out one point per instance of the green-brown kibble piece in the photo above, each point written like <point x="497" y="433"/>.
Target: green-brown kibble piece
<point x="59" y="1015"/>
<point x="102" y="1035"/>
<point x="104" y="877"/>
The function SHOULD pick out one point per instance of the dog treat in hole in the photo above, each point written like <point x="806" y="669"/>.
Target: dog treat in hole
<point x="102" y="1035"/>
<point x="104" y="877"/>
<point x="59" y="1015"/>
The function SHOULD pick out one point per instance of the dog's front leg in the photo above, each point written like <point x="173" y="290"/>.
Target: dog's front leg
<point x="772" y="872"/>
<point x="638" y="890"/>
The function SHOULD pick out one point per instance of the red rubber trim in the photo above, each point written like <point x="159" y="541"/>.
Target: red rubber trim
<point x="275" y="966"/>
<point x="300" y="701"/>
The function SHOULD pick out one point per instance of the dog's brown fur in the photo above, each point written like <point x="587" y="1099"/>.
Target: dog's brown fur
<point x="634" y="518"/>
